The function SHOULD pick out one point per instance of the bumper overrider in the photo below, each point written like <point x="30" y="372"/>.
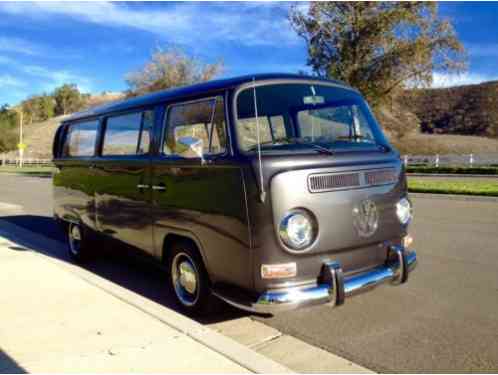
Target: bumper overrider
<point x="333" y="287"/>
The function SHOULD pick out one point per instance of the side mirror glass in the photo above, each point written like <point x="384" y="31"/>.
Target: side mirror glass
<point x="190" y="147"/>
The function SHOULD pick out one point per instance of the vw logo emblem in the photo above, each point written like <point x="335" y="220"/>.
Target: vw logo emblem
<point x="366" y="218"/>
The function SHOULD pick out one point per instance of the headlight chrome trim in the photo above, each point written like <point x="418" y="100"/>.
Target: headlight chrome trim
<point x="284" y="235"/>
<point x="404" y="211"/>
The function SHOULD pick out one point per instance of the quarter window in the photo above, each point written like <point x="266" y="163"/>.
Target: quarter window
<point x="128" y="134"/>
<point x="80" y="139"/>
<point x="196" y="129"/>
<point x="147" y="125"/>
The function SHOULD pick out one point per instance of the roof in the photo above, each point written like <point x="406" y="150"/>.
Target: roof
<point x="185" y="91"/>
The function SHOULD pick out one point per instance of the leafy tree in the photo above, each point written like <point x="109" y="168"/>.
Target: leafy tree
<point x="378" y="47"/>
<point x="8" y="128"/>
<point x="38" y="108"/>
<point x="45" y="107"/>
<point x="170" y="68"/>
<point x="68" y="99"/>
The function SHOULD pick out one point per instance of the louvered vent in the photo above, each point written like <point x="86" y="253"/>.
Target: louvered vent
<point x="380" y="177"/>
<point x="325" y="182"/>
<point x="332" y="181"/>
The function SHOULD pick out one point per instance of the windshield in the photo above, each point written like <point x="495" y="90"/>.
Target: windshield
<point x="293" y="114"/>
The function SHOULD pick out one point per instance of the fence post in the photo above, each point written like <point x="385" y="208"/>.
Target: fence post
<point x="437" y="160"/>
<point x="471" y="160"/>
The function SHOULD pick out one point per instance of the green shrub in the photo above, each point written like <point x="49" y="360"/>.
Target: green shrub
<point x="453" y="170"/>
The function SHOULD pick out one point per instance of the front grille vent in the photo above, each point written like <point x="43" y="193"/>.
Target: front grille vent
<point x="333" y="181"/>
<point x="324" y="182"/>
<point x="381" y="177"/>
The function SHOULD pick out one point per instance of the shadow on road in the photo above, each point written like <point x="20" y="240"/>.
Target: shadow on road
<point x="9" y="366"/>
<point x="116" y="263"/>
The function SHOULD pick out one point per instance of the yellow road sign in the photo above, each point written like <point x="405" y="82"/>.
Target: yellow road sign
<point x="21" y="146"/>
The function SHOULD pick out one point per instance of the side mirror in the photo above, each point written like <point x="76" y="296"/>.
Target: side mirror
<point x="190" y="147"/>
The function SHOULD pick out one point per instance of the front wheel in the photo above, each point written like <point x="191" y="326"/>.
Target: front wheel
<point x="79" y="244"/>
<point x="189" y="279"/>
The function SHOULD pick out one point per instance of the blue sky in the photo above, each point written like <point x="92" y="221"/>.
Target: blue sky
<point x="43" y="45"/>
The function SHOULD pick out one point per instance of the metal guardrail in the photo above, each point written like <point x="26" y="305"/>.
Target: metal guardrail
<point x="456" y="160"/>
<point x="26" y="162"/>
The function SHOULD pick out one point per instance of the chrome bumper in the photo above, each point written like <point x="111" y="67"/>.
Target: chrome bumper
<point x="333" y="287"/>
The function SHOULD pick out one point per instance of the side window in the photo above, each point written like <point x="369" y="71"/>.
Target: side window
<point x="196" y="129"/>
<point x="80" y="139"/>
<point x="145" y="137"/>
<point x="124" y="134"/>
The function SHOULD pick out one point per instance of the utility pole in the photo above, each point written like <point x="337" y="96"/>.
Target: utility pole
<point x="21" y="144"/>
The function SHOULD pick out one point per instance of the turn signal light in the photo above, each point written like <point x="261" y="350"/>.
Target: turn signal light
<point x="407" y="241"/>
<point x="278" y="271"/>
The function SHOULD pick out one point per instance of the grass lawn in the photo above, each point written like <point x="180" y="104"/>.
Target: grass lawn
<point x="453" y="187"/>
<point x="29" y="171"/>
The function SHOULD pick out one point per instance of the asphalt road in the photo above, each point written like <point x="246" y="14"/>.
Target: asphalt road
<point x="444" y="320"/>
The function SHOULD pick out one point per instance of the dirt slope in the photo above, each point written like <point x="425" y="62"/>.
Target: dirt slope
<point x="39" y="137"/>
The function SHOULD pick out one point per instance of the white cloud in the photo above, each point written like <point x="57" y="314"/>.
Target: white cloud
<point x="250" y="24"/>
<point x="449" y="80"/>
<point x="18" y="45"/>
<point x="6" y="80"/>
<point x="55" y="78"/>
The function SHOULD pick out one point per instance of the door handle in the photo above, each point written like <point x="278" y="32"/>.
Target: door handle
<point x="159" y="187"/>
<point x="142" y="186"/>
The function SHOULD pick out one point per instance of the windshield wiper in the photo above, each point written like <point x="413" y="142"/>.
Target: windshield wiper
<point x="317" y="147"/>
<point x="281" y="141"/>
<point x="277" y="142"/>
<point x="382" y="147"/>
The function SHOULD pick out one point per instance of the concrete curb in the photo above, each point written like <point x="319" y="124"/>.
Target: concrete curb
<point x="225" y="346"/>
<point x="455" y="197"/>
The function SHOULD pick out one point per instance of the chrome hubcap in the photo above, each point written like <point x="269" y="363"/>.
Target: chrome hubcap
<point x="74" y="239"/>
<point x="185" y="279"/>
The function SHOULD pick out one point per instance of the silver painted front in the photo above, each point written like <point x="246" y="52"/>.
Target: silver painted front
<point x="334" y="212"/>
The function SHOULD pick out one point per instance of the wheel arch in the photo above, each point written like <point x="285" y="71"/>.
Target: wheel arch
<point x="176" y="236"/>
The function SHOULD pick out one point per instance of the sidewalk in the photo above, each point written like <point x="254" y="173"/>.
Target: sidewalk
<point x="53" y="320"/>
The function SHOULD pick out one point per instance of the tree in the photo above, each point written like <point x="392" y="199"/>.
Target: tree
<point x="170" y="68"/>
<point x="378" y="47"/>
<point x="8" y="128"/>
<point x="38" y="108"/>
<point x="68" y="99"/>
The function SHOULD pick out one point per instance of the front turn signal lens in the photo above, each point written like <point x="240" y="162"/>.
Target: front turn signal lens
<point x="407" y="241"/>
<point x="278" y="271"/>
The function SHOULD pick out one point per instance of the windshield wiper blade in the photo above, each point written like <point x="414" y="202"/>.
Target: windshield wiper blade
<point x="381" y="146"/>
<point x="317" y="147"/>
<point x="277" y="142"/>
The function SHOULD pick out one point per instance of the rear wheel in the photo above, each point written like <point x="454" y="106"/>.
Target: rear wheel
<point x="189" y="279"/>
<point x="79" y="244"/>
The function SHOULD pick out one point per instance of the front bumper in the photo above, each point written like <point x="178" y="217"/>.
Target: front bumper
<point x="332" y="286"/>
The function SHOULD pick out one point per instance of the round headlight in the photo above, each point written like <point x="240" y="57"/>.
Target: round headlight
<point x="298" y="229"/>
<point x="404" y="211"/>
